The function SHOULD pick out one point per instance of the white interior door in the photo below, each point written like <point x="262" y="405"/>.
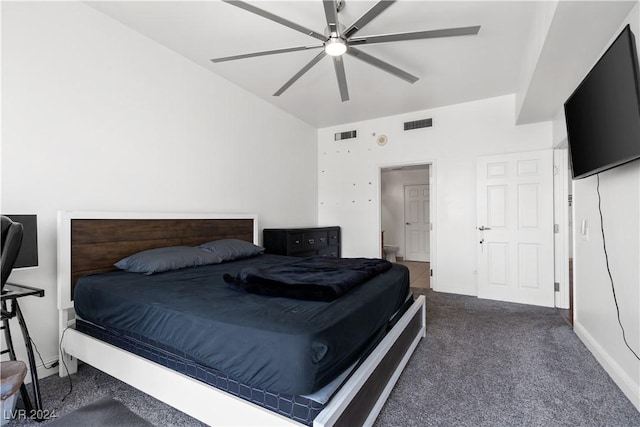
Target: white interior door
<point x="417" y="226"/>
<point x="515" y="228"/>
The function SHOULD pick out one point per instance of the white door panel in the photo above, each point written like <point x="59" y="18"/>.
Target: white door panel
<point x="417" y="226"/>
<point x="515" y="208"/>
<point x="497" y="257"/>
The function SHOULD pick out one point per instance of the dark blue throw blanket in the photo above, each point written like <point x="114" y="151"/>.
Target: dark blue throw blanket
<point x="315" y="278"/>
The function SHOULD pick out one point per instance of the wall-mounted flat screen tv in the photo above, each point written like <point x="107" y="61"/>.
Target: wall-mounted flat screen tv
<point x="603" y="113"/>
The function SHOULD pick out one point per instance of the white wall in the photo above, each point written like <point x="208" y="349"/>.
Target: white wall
<point x="98" y="117"/>
<point x="542" y="19"/>
<point x="392" y="203"/>
<point x="595" y="313"/>
<point x="349" y="177"/>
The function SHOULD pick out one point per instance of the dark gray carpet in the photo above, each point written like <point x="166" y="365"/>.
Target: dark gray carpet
<point x="488" y="363"/>
<point x="104" y="412"/>
<point x="483" y="363"/>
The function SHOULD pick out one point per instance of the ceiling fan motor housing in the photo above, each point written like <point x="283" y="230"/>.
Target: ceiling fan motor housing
<point x="336" y="44"/>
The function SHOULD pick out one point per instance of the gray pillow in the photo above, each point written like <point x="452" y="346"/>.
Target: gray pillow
<point x="166" y="259"/>
<point x="232" y="249"/>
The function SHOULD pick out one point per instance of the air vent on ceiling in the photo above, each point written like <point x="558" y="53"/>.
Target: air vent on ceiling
<point x="351" y="134"/>
<point x="418" y="124"/>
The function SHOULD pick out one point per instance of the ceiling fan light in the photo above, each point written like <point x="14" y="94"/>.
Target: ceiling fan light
<point x="335" y="46"/>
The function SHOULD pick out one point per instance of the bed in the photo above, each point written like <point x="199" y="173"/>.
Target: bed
<point x="90" y="242"/>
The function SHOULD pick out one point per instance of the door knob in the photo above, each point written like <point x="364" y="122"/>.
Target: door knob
<point x="407" y="223"/>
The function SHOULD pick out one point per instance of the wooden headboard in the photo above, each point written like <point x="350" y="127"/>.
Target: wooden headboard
<point x="92" y="242"/>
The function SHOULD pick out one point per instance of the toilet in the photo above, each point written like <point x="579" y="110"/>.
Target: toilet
<point x="390" y="252"/>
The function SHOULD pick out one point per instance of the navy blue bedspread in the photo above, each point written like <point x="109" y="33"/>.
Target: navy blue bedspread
<point x="277" y="344"/>
<point x="316" y="278"/>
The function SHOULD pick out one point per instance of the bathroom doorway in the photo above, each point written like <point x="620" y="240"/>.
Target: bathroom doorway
<point x="406" y="219"/>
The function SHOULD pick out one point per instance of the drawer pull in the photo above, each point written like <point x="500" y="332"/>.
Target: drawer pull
<point x="311" y="241"/>
<point x="323" y="240"/>
<point x="297" y="242"/>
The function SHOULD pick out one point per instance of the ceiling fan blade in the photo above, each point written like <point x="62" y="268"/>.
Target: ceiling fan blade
<point x="299" y="74"/>
<point x="385" y="66"/>
<point x="376" y="10"/>
<point x="384" y="38"/>
<point x="338" y="64"/>
<point x="250" y="8"/>
<point x="266" y="52"/>
<point x="331" y="12"/>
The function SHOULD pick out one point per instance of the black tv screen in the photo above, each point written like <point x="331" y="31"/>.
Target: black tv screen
<point x="603" y="113"/>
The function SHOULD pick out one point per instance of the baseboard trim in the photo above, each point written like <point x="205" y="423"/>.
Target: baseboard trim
<point x="617" y="374"/>
<point x="41" y="370"/>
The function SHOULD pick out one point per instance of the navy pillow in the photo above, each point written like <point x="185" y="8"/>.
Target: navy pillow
<point x="232" y="249"/>
<point x="166" y="259"/>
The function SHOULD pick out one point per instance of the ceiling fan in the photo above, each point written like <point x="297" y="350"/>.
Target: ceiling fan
<point x="339" y="40"/>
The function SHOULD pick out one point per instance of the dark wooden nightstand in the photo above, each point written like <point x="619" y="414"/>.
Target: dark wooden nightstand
<point x="302" y="242"/>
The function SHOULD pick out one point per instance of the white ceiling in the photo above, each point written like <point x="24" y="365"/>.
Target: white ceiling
<point x="451" y="70"/>
<point x="577" y="36"/>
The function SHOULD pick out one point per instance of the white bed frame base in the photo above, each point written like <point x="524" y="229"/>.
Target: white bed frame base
<point x="201" y="401"/>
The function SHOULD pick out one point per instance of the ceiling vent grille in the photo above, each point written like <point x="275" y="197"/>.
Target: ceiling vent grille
<point x="351" y="134"/>
<point x="418" y="124"/>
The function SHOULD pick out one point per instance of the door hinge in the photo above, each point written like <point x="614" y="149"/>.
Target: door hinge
<point x="556" y="286"/>
<point x="556" y="170"/>
<point x="556" y="228"/>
